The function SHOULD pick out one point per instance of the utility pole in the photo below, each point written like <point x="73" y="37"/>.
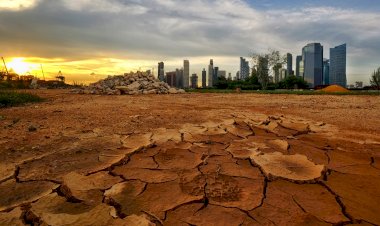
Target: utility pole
<point x="6" y="69"/>
<point x="43" y="74"/>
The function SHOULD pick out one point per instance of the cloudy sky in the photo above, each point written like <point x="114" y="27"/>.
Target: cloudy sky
<point x="88" y="39"/>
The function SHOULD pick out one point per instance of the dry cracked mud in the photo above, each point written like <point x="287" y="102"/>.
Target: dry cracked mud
<point x="247" y="169"/>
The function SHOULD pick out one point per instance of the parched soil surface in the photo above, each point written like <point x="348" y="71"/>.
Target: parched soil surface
<point x="191" y="159"/>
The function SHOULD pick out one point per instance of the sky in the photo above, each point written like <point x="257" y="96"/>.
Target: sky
<point x="90" y="39"/>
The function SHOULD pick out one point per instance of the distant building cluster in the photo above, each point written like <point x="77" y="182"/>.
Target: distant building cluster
<point x="310" y="65"/>
<point x="180" y="78"/>
<point x="317" y="71"/>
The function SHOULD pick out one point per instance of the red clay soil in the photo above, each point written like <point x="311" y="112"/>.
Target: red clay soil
<point x="191" y="159"/>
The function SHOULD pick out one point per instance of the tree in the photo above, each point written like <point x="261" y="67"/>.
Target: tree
<point x="375" y="79"/>
<point x="293" y="82"/>
<point x="270" y="60"/>
<point x="263" y="71"/>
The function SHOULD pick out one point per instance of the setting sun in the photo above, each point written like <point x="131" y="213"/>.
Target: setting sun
<point x="19" y="66"/>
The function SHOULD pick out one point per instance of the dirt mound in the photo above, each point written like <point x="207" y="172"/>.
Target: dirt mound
<point x="334" y="88"/>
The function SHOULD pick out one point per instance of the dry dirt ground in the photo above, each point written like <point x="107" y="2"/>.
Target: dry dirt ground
<point x="191" y="159"/>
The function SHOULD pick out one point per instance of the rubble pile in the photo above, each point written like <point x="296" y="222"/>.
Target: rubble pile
<point x="130" y="84"/>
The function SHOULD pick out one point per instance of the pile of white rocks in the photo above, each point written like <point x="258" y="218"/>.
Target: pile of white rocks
<point x="130" y="84"/>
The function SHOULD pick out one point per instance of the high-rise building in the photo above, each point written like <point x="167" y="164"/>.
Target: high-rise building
<point x="204" y="75"/>
<point x="179" y="78"/>
<point x="326" y="72"/>
<point x="283" y="74"/>
<point x="298" y="62"/>
<point x="161" y="71"/>
<point x="210" y="73"/>
<point x="222" y="74"/>
<point x="186" y="73"/>
<point x="215" y="76"/>
<point x="229" y="76"/>
<point x="312" y="56"/>
<point x="244" y="68"/>
<point x="238" y="75"/>
<point x="289" y="64"/>
<point x="194" y="81"/>
<point x="171" y="78"/>
<point x="338" y="65"/>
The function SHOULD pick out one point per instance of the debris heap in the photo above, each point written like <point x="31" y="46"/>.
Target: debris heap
<point x="130" y="84"/>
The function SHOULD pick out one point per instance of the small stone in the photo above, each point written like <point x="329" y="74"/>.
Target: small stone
<point x="32" y="128"/>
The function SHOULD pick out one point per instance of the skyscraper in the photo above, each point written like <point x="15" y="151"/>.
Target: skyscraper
<point x="289" y="64"/>
<point x="326" y="72"/>
<point x="215" y="76"/>
<point x="210" y="73"/>
<point x="194" y="81"/>
<point x="222" y="73"/>
<point x="244" y="69"/>
<point x="338" y="65"/>
<point x="312" y="56"/>
<point x="186" y="73"/>
<point x="204" y="75"/>
<point x="179" y="77"/>
<point x="298" y="62"/>
<point x="161" y="72"/>
<point x="171" y="78"/>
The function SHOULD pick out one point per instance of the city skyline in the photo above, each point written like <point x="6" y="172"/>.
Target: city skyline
<point x="88" y="40"/>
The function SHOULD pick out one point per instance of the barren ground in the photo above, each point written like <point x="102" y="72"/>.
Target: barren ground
<point x="191" y="159"/>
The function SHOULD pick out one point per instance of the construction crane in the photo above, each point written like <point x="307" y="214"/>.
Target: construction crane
<point x="60" y="77"/>
<point x="5" y="66"/>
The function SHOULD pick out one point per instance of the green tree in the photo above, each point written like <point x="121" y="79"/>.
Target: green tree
<point x="264" y="62"/>
<point x="375" y="79"/>
<point x="263" y="71"/>
<point x="293" y="82"/>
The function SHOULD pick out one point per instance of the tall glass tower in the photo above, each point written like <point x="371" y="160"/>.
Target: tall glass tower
<point x="298" y="64"/>
<point x="289" y="64"/>
<point x="312" y="55"/>
<point x="326" y="72"/>
<point x="338" y="65"/>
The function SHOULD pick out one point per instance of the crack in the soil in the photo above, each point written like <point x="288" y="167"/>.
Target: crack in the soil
<point x="299" y="205"/>
<point x="17" y="171"/>
<point x="339" y="201"/>
<point x="154" y="218"/>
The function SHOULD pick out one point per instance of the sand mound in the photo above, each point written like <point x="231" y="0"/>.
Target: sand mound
<point x="334" y="88"/>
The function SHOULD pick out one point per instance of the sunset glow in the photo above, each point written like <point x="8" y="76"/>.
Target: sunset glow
<point x="20" y="67"/>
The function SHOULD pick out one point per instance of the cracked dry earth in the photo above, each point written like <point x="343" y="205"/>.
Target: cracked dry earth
<point x="249" y="169"/>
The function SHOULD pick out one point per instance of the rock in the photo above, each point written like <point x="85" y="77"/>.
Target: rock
<point x="291" y="167"/>
<point x="87" y="188"/>
<point x="131" y="84"/>
<point x="15" y="194"/>
<point x="32" y="128"/>
<point x="173" y="91"/>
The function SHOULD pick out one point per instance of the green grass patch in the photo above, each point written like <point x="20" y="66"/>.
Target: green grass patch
<point x="13" y="98"/>
<point x="292" y="92"/>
